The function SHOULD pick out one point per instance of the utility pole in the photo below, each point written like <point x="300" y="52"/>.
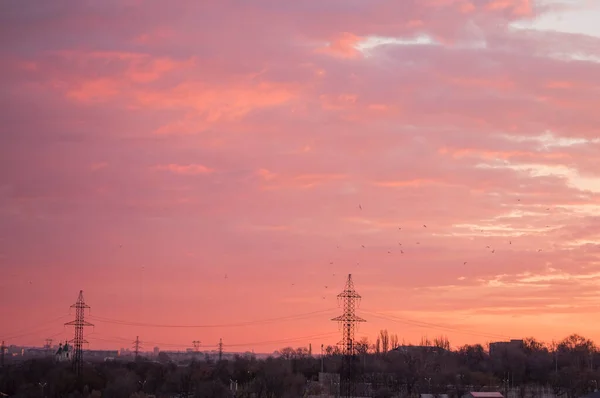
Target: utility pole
<point x="220" y="346"/>
<point x="136" y="347"/>
<point x="322" y="360"/>
<point x="79" y="323"/>
<point x="48" y="346"/>
<point x="2" y="349"/>
<point x="196" y="344"/>
<point x="348" y="321"/>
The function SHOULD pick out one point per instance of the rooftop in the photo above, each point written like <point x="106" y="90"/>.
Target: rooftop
<point x="478" y="394"/>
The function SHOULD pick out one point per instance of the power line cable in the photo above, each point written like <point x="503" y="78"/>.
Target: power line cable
<point x="428" y="325"/>
<point x="32" y="330"/>
<point x="225" y="325"/>
<point x="118" y="340"/>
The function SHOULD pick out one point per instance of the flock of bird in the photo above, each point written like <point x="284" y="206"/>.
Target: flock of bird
<point x="401" y="250"/>
<point x="492" y="250"/>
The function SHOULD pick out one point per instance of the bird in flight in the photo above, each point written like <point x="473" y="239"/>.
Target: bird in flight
<point x="360" y="207"/>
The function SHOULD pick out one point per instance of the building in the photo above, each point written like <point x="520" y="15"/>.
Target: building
<point x="475" y="394"/>
<point x="156" y="351"/>
<point x="500" y="347"/>
<point x="64" y="352"/>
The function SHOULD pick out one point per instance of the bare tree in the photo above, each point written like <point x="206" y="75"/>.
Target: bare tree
<point x="385" y="340"/>
<point x="394" y="341"/>
<point x="442" y="342"/>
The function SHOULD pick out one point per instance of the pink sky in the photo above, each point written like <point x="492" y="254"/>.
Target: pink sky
<point x="147" y="150"/>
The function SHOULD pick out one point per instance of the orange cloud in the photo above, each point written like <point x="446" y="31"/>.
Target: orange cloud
<point x="344" y="45"/>
<point x="273" y="181"/>
<point x="407" y="183"/>
<point x="95" y="90"/>
<point x="312" y="157"/>
<point x="188" y="169"/>
<point x="218" y="103"/>
<point x="517" y="7"/>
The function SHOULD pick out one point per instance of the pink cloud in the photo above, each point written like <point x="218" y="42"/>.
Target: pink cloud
<point x="190" y="169"/>
<point x="212" y="138"/>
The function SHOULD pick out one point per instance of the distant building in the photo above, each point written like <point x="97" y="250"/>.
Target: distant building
<point x="156" y="351"/>
<point x="500" y="347"/>
<point x="64" y="352"/>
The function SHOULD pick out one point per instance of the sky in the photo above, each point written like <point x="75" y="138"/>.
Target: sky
<point x="215" y="169"/>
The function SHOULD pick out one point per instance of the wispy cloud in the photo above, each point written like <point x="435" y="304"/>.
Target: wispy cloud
<point x="457" y="141"/>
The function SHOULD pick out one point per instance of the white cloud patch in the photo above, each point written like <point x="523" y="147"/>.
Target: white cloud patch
<point x="575" y="17"/>
<point x="370" y="43"/>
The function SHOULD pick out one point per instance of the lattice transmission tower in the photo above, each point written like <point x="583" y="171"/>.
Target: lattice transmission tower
<point x="349" y="300"/>
<point x="196" y="344"/>
<point x="79" y="323"/>
<point x="220" y="347"/>
<point x="48" y="346"/>
<point x="137" y="346"/>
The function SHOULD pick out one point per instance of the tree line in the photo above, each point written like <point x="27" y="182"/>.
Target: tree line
<point x="570" y="368"/>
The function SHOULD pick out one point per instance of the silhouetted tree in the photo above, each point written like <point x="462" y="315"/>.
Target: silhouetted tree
<point x="569" y="367"/>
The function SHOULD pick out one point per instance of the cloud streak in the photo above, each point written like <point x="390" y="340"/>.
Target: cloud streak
<point x="281" y="143"/>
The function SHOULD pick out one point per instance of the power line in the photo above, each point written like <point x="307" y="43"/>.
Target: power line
<point x="32" y="330"/>
<point x="225" y="325"/>
<point x="428" y="325"/>
<point x="119" y="340"/>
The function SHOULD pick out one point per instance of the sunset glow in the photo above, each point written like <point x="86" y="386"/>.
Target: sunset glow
<point x="216" y="168"/>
